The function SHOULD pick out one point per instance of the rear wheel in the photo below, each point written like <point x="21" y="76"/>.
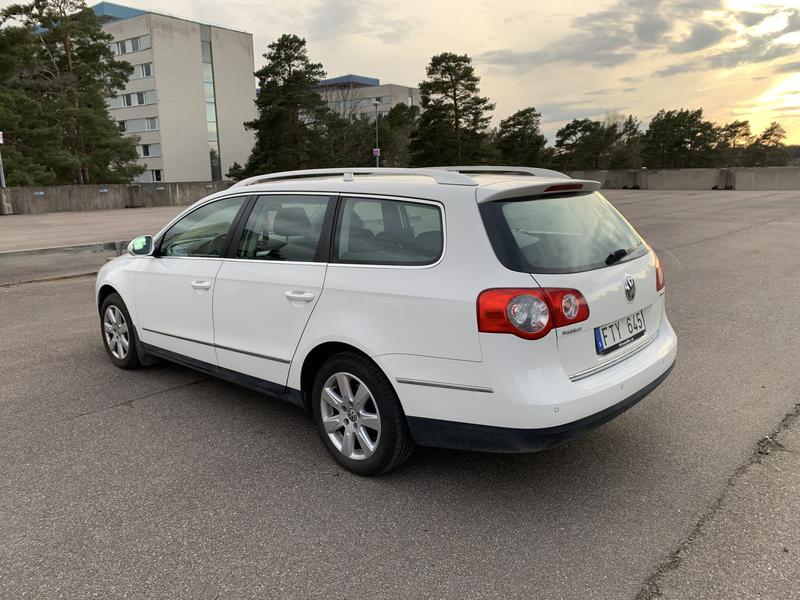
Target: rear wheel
<point x="359" y="417"/>
<point x="119" y="335"/>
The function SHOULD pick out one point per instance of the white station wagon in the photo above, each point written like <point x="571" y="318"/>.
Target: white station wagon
<point x="502" y="309"/>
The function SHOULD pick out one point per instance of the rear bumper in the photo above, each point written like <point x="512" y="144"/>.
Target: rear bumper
<point x="485" y="438"/>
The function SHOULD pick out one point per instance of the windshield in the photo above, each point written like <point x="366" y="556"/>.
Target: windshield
<point x="566" y="233"/>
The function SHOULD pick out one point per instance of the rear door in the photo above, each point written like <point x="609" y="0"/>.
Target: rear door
<point x="268" y="286"/>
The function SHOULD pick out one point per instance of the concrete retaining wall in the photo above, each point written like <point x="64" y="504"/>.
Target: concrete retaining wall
<point x="36" y="200"/>
<point x="768" y="178"/>
<point x="681" y="179"/>
<point x="738" y="178"/>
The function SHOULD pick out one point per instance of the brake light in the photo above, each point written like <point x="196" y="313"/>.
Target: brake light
<point x="569" y="306"/>
<point x="659" y="275"/>
<point x="564" y="187"/>
<point x="529" y="313"/>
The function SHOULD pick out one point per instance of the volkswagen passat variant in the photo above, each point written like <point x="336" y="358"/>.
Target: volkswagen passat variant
<point x="483" y="308"/>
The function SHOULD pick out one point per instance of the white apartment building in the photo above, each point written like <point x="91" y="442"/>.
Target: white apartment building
<point x="355" y="96"/>
<point x="190" y="93"/>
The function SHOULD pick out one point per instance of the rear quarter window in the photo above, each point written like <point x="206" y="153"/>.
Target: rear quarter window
<point x="564" y="233"/>
<point x="388" y="232"/>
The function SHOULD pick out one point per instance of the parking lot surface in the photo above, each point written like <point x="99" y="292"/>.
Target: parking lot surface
<point x="164" y="483"/>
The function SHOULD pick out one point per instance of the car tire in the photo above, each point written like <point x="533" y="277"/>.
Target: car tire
<point x="118" y="333"/>
<point x="364" y="429"/>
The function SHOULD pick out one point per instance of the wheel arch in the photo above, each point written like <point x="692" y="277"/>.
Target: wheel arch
<point x="104" y="292"/>
<point x="317" y="356"/>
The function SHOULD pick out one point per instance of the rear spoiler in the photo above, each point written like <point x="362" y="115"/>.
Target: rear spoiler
<point x="512" y="188"/>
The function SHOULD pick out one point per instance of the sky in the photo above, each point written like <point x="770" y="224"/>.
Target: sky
<point x="735" y="59"/>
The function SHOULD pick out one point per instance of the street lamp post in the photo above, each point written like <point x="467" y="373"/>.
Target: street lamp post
<point x="377" y="152"/>
<point x="2" y="174"/>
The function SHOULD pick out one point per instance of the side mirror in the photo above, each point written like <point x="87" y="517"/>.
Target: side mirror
<point x="141" y="246"/>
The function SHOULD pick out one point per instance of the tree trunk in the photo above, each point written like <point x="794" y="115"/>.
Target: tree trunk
<point x="83" y="170"/>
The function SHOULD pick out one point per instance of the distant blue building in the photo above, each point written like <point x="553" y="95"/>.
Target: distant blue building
<point x="357" y="97"/>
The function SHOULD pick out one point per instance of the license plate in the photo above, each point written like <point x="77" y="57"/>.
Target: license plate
<point x="618" y="334"/>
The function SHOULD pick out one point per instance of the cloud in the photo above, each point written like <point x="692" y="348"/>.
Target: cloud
<point x="748" y="19"/>
<point x="753" y="49"/>
<point x="790" y="67"/>
<point x="701" y="37"/>
<point x="610" y="37"/>
<point x="333" y="19"/>
<point x="606" y="91"/>
<point x="566" y="110"/>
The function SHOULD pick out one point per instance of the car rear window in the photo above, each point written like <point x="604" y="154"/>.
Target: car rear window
<point x="565" y="233"/>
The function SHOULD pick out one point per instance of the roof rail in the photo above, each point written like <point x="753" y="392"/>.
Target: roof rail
<point x="441" y="176"/>
<point x="492" y="169"/>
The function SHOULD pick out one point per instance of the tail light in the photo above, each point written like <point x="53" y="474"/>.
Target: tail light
<point x="529" y="313"/>
<point x="659" y="275"/>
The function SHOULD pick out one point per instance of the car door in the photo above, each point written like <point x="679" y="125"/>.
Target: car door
<point x="174" y="288"/>
<point x="267" y="288"/>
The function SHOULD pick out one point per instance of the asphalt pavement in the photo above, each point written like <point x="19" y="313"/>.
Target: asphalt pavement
<point x="164" y="483"/>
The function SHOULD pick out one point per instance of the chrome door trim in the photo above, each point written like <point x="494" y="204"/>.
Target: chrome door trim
<point x="449" y="386"/>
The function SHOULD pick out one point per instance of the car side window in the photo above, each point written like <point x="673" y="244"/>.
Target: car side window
<point x="283" y="227"/>
<point x="203" y="232"/>
<point x="389" y="232"/>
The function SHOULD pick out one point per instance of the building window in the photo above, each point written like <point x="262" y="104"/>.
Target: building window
<point x="156" y="173"/>
<point x="133" y="99"/>
<point x="207" y="54"/>
<point x="149" y="150"/>
<point x="143" y="70"/>
<point x="131" y="45"/>
<point x="139" y="125"/>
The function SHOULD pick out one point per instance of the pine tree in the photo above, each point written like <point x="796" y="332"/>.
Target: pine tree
<point x="57" y="79"/>
<point x="452" y="127"/>
<point x="292" y="117"/>
<point x="519" y="138"/>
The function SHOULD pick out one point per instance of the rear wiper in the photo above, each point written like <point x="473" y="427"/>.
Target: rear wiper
<point x="616" y="256"/>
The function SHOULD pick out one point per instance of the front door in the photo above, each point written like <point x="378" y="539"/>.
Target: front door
<point x="265" y="292"/>
<point x="174" y="287"/>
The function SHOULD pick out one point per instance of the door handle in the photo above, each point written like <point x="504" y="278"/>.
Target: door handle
<point x="300" y="296"/>
<point x="201" y="285"/>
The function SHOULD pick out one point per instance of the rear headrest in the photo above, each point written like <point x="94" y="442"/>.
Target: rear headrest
<point x="355" y="220"/>
<point x="291" y="221"/>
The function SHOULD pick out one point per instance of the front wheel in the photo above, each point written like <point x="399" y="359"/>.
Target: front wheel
<point x="359" y="417"/>
<point x="119" y="335"/>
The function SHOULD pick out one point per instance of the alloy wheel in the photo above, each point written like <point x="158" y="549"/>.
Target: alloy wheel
<point x="115" y="328"/>
<point x="350" y="416"/>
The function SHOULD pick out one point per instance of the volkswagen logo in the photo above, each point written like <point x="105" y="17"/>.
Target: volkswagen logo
<point x="630" y="288"/>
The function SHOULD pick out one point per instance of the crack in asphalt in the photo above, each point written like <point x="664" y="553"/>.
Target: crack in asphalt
<point x="129" y="403"/>
<point x="651" y="589"/>
<point x="47" y="279"/>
